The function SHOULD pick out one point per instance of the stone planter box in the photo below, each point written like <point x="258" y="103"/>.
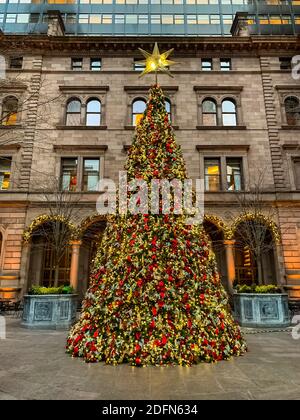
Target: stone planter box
<point x="262" y="310"/>
<point x="49" y="311"/>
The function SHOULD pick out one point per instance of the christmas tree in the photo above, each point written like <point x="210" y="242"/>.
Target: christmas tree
<point x="155" y="296"/>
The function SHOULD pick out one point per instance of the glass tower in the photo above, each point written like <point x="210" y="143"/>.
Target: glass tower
<point x="151" y="17"/>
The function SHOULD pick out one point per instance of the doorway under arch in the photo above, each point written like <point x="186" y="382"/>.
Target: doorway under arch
<point x="216" y="235"/>
<point x="90" y="241"/>
<point x="247" y="266"/>
<point x="46" y="268"/>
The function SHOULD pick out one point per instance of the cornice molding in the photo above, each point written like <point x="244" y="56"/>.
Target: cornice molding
<point x="244" y="147"/>
<point x="291" y="146"/>
<point x="290" y="127"/>
<point x="133" y="88"/>
<point x="69" y="147"/>
<point x="11" y="147"/>
<point x="126" y="45"/>
<point x="83" y="88"/>
<point x="6" y="87"/>
<point x="224" y="88"/>
<point x="81" y="127"/>
<point x="221" y="127"/>
<point x="287" y="87"/>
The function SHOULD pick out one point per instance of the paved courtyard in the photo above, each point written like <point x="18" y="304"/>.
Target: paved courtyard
<point x="33" y="365"/>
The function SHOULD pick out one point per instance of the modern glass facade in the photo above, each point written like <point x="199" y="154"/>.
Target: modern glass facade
<point x="150" y="17"/>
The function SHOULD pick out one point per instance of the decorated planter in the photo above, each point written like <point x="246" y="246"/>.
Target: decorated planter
<point x="262" y="310"/>
<point x="49" y="311"/>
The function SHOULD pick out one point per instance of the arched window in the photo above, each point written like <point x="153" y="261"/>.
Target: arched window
<point x="93" y="112"/>
<point x="209" y="112"/>
<point x="292" y="110"/>
<point x="138" y="108"/>
<point x="168" y="108"/>
<point x="229" y="112"/>
<point x="9" y="111"/>
<point x="73" y="114"/>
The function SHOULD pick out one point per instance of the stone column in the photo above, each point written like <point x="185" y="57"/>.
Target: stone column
<point x="229" y="245"/>
<point x="25" y="281"/>
<point x="74" y="264"/>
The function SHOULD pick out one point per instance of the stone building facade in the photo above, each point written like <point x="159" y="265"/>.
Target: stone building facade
<point x="228" y="106"/>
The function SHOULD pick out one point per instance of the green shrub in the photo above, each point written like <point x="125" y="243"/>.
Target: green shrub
<point x="67" y="290"/>
<point x="270" y="288"/>
<point x="244" y="289"/>
<point x="41" y="290"/>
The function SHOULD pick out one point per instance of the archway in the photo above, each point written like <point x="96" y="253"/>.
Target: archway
<point x="90" y="241"/>
<point x="50" y="253"/>
<point x="250" y="268"/>
<point x="216" y="235"/>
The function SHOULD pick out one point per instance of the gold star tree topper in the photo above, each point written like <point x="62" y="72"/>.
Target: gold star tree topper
<point x="155" y="61"/>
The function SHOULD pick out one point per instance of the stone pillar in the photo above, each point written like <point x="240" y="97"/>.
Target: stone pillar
<point x="75" y="245"/>
<point x="25" y="281"/>
<point x="229" y="245"/>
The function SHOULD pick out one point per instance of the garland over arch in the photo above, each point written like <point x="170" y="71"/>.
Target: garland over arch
<point x="219" y="223"/>
<point x="88" y="221"/>
<point x="267" y="221"/>
<point x="44" y="218"/>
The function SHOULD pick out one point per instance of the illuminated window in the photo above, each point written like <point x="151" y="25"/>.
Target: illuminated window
<point x="138" y="108"/>
<point x="234" y="174"/>
<point x="292" y="110"/>
<point x="212" y="174"/>
<point x="106" y="19"/>
<point x="83" y="18"/>
<point x="225" y="64"/>
<point x="69" y="174"/>
<point x="5" y="172"/>
<point x="207" y="64"/>
<point x="76" y="64"/>
<point x="93" y="112"/>
<point x="286" y="20"/>
<point x="61" y="1"/>
<point x="227" y="19"/>
<point x="9" y="111"/>
<point x="203" y="19"/>
<point x="95" y="19"/>
<point x="209" y="112"/>
<point x="263" y="20"/>
<point x="143" y="19"/>
<point x="91" y="174"/>
<point x="168" y="108"/>
<point x="229" y="113"/>
<point x="120" y="19"/>
<point x="73" y="114"/>
<point x="179" y="19"/>
<point x="275" y="20"/>
<point x="95" y="64"/>
<point x="137" y="65"/>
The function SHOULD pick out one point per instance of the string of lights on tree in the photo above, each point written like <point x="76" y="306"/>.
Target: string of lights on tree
<point x="155" y="296"/>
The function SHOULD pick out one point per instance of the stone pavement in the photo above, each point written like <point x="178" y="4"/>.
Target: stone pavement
<point x="33" y="365"/>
